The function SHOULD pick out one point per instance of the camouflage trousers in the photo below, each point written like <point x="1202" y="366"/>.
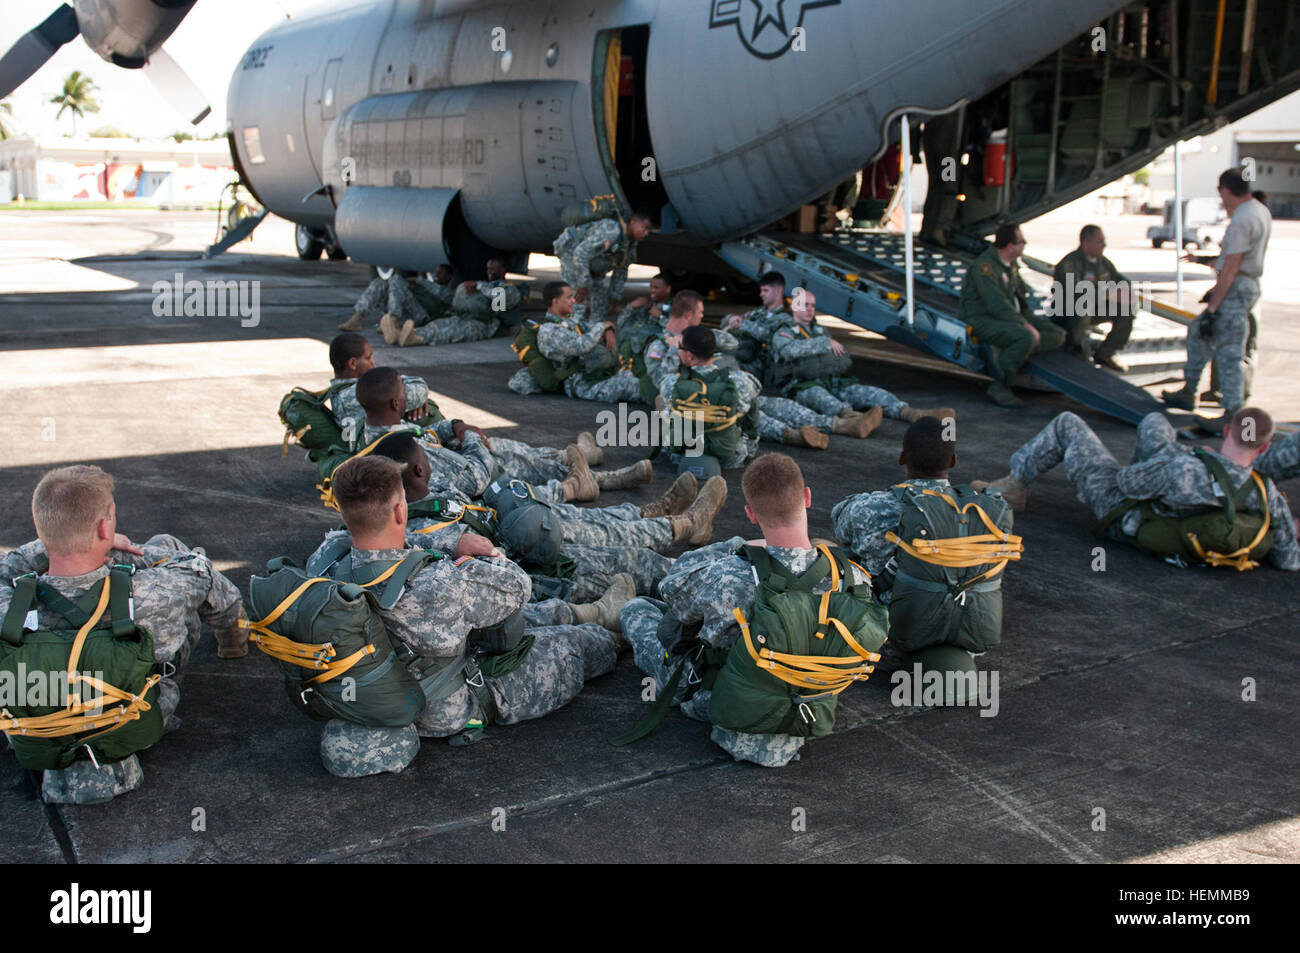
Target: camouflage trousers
<point x="523" y="461"/>
<point x="779" y="413"/>
<point x="850" y="397"/>
<point x="640" y="622"/>
<point x="523" y="382"/>
<point x="562" y="659"/>
<point x="596" y="307"/>
<point x="621" y="525"/>
<point x="1226" y="344"/>
<point x="392" y="297"/>
<point x="1281" y="461"/>
<point x="1090" y="466"/>
<point x="458" y="329"/>
<point x="596" y="566"/>
<point x="623" y="386"/>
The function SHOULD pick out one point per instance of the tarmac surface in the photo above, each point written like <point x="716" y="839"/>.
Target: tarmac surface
<point x="1121" y="691"/>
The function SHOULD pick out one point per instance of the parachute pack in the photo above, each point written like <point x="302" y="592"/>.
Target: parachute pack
<point x="549" y="375"/>
<point x="107" y="662"/>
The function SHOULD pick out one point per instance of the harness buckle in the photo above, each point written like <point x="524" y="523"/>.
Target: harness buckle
<point x="806" y="713"/>
<point x="470" y="679"/>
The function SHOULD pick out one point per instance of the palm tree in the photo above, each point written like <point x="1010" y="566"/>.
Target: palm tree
<point x="7" y="127"/>
<point x="78" y="97"/>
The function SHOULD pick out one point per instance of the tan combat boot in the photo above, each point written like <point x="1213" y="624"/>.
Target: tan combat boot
<point x="605" y="610"/>
<point x="389" y="329"/>
<point x="910" y="415"/>
<point x="805" y="436"/>
<point x="679" y="496"/>
<point x="232" y="642"/>
<point x="1011" y="489"/>
<point x="853" y="424"/>
<point x="351" y="324"/>
<point x="637" y="474"/>
<point x="579" y="486"/>
<point x="590" y="449"/>
<point x="695" y="526"/>
<point x="407" y="337"/>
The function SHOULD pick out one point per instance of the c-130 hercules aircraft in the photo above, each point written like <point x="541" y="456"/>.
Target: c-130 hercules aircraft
<point x="406" y="133"/>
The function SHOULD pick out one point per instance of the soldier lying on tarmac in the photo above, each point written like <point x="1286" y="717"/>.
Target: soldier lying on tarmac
<point x="435" y="618"/>
<point x="716" y="646"/>
<point x="80" y="574"/>
<point x="1186" y="506"/>
<point x="543" y="542"/>
<point x="465" y="462"/>
<point x="351" y="356"/>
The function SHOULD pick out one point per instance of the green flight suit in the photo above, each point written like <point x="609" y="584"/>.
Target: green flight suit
<point x="1083" y="300"/>
<point x="995" y="303"/>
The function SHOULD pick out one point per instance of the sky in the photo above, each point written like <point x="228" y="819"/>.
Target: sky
<point x="208" y="45"/>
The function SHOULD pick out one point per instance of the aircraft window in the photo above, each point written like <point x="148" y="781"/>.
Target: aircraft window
<point x="506" y="59"/>
<point x="552" y="54"/>
<point x="288" y="140"/>
<point x="253" y="145"/>
<point x="329" y="97"/>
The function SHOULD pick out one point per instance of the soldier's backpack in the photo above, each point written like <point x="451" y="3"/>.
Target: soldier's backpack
<point x="945" y="578"/>
<point x="549" y="375"/>
<point x="813" y="368"/>
<point x="324" y="629"/>
<point x="593" y="209"/>
<point x="798" y="650"/>
<point x="631" y="355"/>
<point x="309" y="422"/>
<point x="101" y="658"/>
<point x="1229" y="535"/>
<point x="711" y="398"/>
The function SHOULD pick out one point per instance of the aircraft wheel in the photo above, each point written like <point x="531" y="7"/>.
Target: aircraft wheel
<point x="1157" y="243"/>
<point x="309" y="246"/>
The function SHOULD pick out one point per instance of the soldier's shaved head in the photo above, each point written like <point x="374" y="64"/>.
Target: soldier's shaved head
<point x="366" y="490"/>
<point x="377" y="386"/>
<point x="685" y="303"/>
<point x="772" y="279"/>
<point x="402" y="448"/>
<point x="699" y="341"/>
<point x="774" y="490"/>
<point x="67" y="506"/>
<point x="927" y="451"/>
<point x="1251" y="428"/>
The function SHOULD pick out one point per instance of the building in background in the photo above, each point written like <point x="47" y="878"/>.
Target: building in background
<point x="165" y="173"/>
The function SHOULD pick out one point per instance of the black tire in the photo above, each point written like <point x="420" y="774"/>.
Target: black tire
<point x="309" y="246"/>
<point x="338" y="254"/>
<point x="1157" y="243"/>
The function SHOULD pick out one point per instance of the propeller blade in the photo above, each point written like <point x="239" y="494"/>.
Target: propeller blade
<point x="35" y="47"/>
<point x="176" y="87"/>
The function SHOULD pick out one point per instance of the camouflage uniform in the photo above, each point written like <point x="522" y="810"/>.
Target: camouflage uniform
<point x="1076" y="271"/>
<point x="392" y="296"/>
<point x="995" y="302"/>
<point x="704" y="586"/>
<point x="445" y="600"/>
<point x="830" y="395"/>
<point x="175" y="590"/>
<point x="350" y="416"/>
<point x="560" y="343"/>
<point x="631" y="319"/>
<point x="1226" y="343"/>
<point x="434" y="298"/>
<point x="778" y="413"/>
<point x="1161" y="471"/>
<point x="579" y="245"/>
<point x="459" y="329"/>
<point x="480" y="304"/>
<point x="1281" y="461"/>
<point x="747" y="390"/>
<point x="755" y="335"/>
<point x="663" y="360"/>
<point x="862" y="520"/>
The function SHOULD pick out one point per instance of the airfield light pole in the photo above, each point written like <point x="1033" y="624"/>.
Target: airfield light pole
<point x="906" y="146"/>
<point x="1178" y="218"/>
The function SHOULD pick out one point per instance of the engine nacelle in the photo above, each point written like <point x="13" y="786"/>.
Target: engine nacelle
<point x="128" y="32"/>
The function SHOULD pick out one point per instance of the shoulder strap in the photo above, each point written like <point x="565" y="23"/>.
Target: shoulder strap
<point x="330" y="556"/>
<point x="393" y="579"/>
<point x="1232" y="497"/>
<point x="11" y="630"/>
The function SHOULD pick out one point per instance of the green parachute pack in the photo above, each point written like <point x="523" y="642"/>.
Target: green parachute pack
<point x="711" y="397"/>
<point x="631" y="355"/>
<point x="309" y="422"/>
<point x="798" y="650"/>
<point x="945" y="578"/>
<point x="101" y="660"/>
<point x="1230" y="535"/>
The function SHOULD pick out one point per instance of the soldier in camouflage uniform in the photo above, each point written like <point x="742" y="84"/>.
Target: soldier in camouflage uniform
<point x="703" y="588"/>
<point x="564" y="343"/>
<point x="754" y="328"/>
<point x="492" y="300"/>
<point x="594" y="258"/>
<point x="835" y="395"/>
<point x="442" y="603"/>
<point x="995" y="302"/>
<point x="389" y="298"/>
<point x="747" y="390"/>
<point x="351" y="356"/>
<point x="1161" y="471"/>
<point x="175" y="590"/>
<point x="436" y="296"/>
<point x="1281" y="461"/>
<point x="646" y="312"/>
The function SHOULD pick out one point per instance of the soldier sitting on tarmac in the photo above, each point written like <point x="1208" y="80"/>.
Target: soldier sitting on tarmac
<point x="443" y="604"/>
<point x="558" y="354"/>
<point x="812" y="368"/>
<point x="351" y="356"/>
<point x="646" y="314"/>
<point x="465" y="461"/>
<point x="995" y="303"/>
<point x="714" y="644"/>
<point x="1087" y="290"/>
<point x="754" y="328"/>
<point x="391" y="298"/>
<point x="915" y="540"/>
<point x="81" y="574"/>
<point x="1188" y="507"/>
<point x="594" y="258"/>
<point x="492" y="302"/>
<point x="580" y="552"/>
